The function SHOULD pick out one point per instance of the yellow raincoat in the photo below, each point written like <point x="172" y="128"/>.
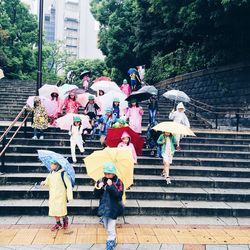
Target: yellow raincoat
<point x="58" y="194"/>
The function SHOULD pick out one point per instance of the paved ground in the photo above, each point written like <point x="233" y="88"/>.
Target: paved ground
<point x="153" y="233"/>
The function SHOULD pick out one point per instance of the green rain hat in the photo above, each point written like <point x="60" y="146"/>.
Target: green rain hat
<point x="116" y="99"/>
<point x="91" y="97"/>
<point x="54" y="162"/>
<point x="109" y="168"/>
<point x="108" y="110"/>
<point x="125" y="81"/>
<point x="77" y="119"/>
<point x="122" y="121"/>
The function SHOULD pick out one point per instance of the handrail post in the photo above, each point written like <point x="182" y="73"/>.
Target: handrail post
<point x="216" y="121"/>
<point x="195" y="111"/>
<point x="25" y="123"/>
<point x="3" y="155"/>
<point x="237" y="120"/>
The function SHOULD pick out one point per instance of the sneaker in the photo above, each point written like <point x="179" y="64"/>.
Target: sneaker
<point x="34" y="138"/>
<point x="178" y="148"/>
<point x="56" y="227"/>
<point x="74" y="161"/>
<point x="65" y="223"/>
<point x="41" y="137"/>
<point x="168" y="180"/>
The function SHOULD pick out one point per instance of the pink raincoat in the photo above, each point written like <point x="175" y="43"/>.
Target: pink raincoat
<point x="129" y="146"/>
<point x="71" y="106"/>
<point x="134" y="114"/>
<point x="125" y="88"/>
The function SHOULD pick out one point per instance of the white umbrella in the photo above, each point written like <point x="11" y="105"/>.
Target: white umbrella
<point x="47" y="89"/>
<point x="176" y="95"/>
<point x="1" y="74"/>
<point x="149" y="89"/>
<point x="106" y="86"/>
<point x="65" y="88"/>
<point x="107" y="100"/>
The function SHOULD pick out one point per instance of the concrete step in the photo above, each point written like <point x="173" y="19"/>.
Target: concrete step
<point x="139" y="180"/>
<point x="32" y="149"/>
<point x="138" y="193"/>
<point x="15" y="167"/>
<point x="132" y="207"/>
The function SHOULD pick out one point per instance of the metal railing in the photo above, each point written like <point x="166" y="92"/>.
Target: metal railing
<point x="3" y="138"/>
<point x="214" y="115"/>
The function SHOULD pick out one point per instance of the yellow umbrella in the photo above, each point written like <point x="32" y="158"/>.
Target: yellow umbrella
<point x="174" y="128"/>
<point x="121" y="157"/>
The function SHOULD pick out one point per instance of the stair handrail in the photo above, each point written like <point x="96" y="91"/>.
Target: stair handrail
<point x="236" y="109"/>
<point x="3" y="137"/>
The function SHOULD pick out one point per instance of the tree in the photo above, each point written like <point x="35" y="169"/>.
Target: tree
<point x="18" y="33"/>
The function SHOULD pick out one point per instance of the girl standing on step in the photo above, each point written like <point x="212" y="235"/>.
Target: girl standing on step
<point x="179" y="116"/>
<point x="40" y="118"/>
<point x="71" y="105"/>
<point x="57" y="180"/>
<point x="167" y="142"/>
<point x="126" y="142"/>
<point x="58" y="108"/>
<point x="134" y="114"/>
<point x="109" y="190"/>
<point x="75" y="133"/>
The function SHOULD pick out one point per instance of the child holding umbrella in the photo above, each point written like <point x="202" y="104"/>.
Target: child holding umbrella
<point x="109" y="190"/>
<point x="60" y="191"/>
<point x="167" y="142"/>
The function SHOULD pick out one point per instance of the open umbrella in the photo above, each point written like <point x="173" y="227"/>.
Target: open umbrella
<point x="143" y="93"/>
<point x="114" y="138"/>
<point x="46" y="156"/>
<point x="176" y="95"/>
<point x="47" y="89"/>
<point x="132" y="70"/>
<point x="121" y="157"/>
<point x="85" y="72"/>
<point x="102" y="78"/>
<point x="174" y="128"/>
<point x="108" y="98"/>
<point x="64" y="89"/>
<point x="106" y="86"/>
<point x="76" y="91"/>
<point x="1" y="74"/>
<point x="66" y="121"/>
<point x="46" y="103"/>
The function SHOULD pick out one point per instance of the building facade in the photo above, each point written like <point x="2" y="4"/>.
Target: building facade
<point x="71" y="21"/>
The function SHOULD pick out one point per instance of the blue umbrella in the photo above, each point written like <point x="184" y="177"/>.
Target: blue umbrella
<point x="46" y="156"/>
<point x="132" y="70"/>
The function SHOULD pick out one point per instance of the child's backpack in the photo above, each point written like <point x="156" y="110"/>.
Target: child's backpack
<point x="62" y="175"/>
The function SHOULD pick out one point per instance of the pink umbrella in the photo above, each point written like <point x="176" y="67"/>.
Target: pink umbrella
<point x="102" y="78"/>
<point x="66" y="121"/>
<point x="46" y="103"/>
<point x="47" y="89"/>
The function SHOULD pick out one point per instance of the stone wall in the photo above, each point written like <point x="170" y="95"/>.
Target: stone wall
<point x="227" y="87"/>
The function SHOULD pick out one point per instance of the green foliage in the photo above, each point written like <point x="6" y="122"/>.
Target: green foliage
<point x="18" y="33"/>
<point x="96" y="66"/>
<point x="172" y="37"/>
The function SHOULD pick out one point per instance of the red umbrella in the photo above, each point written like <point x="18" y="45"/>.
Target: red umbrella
<point x="114" y="138"/>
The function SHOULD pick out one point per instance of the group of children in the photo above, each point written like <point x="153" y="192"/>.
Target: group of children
<point x="110" y="188"/>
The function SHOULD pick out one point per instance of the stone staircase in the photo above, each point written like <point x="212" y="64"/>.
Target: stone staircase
<point x="210" y="176"/>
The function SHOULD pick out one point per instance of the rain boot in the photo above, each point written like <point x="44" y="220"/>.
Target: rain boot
<point x="110" y="245"/>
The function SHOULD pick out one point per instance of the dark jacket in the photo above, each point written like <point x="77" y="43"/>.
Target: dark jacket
<point x="110" y="204"/>
<point x="153" y="104"/>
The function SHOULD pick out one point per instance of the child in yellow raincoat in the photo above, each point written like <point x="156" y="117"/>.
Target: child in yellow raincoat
<point x="60" y="191"/>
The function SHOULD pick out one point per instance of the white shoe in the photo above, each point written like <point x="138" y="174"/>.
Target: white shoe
<point x="34" y="138"/>
<point x="41" y="137"/>
<point x="168" y="180"/>
<point x="75" y="161"/>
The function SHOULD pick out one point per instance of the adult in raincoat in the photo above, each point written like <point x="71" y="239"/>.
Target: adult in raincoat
<point x="60" y="191"/>
<point x="179" y="116"/>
